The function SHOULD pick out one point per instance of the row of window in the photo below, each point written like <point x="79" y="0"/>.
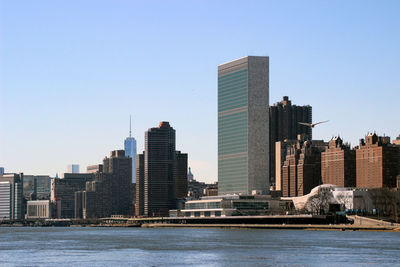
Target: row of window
<point x="203" y="205"/>
<point x="251" y="205"/>
<point x="232" y="91"/>
<point x="205" y="214"/>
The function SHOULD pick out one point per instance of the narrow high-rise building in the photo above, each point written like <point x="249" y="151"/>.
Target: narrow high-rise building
<point x="130" y="150"/>
<point x="243" y="126"/>
<point x="181" y="170"/>
<point x="159" y="158"/>
<point x="162" y="173"/>
<point x="284" y="125"/>
<point x="139" y="207"/>
<point x="281" y="148"/>
<point x="338" y="164"/>
<point x="119" y="168"/>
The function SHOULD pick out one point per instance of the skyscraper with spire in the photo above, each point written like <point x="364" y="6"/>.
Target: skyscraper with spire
<point x="130" y="149"/>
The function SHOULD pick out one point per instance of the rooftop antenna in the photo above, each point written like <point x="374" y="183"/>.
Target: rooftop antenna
<point x="130" y="125"/>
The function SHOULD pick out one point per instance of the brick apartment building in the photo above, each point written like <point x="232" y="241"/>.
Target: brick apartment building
<point x="376" y="162"/>
<point x="338" y="164"/>
<point x="301" y="170"/>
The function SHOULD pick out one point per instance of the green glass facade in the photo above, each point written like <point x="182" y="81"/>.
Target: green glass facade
<point x="233" y="131"/>
<point x="232" y="134"/>
<point x="232" y="90"/>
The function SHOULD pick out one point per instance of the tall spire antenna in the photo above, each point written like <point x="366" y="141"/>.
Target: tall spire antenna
<point x="130" y="125"/>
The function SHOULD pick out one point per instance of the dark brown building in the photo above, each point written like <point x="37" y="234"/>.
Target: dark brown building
<point x="119" y="167"/>
<point x="284" y="124"/>
<point x="139" y="207"/>
<point x="301" y="170"/>
<point x="63" y="190"/>
<point x="110" y="191"/>
<point x="338" y="164"/>
<point x="164" y="173"/>
<point x="376" y="162"/>
<point x="181" y="181"/>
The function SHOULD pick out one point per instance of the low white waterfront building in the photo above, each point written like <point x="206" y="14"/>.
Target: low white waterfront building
<point x="233" y="205"/>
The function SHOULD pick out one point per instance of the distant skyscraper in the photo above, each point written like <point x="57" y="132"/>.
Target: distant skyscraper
<point x="11" y="203"/>
<point x="130" y="151"/>
<point x="284" y="124"/>
<point x="190" y="175"/>
<point x="1" y="170"/>
<point x="162" y="173"/>
<point x="243" y="126"/>
<point x="73" y="168"/>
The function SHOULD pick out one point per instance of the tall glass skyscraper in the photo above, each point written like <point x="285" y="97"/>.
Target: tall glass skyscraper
<point x="243" y="126"/>
<point x="130" y="151"/>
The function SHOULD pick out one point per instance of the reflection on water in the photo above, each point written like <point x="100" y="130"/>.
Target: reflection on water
<point x="197" y="247"/>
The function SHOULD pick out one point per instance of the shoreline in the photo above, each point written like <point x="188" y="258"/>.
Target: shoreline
<point x="309" y="227"/>
<point x="316" y="227"/>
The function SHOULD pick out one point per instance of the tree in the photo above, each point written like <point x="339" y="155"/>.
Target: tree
<point x="319" y="203"/>
<point x="386" y="201"/>
<point x="344" y="200"/>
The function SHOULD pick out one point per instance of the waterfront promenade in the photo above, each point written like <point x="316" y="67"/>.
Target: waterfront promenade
<point x="284" y="222"/>
<point x="333" y="227"/>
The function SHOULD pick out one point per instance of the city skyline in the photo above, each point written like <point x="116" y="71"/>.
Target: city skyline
<point x="69" y="77"/>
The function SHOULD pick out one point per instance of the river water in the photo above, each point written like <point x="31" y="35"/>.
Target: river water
<point x="74" y="246"/>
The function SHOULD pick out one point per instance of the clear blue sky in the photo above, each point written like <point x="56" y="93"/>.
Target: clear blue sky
<point x="71" y="72"/>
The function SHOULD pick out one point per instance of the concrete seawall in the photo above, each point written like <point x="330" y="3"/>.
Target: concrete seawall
<point x="365" y="221"/>
<point x="336" y="227"/>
